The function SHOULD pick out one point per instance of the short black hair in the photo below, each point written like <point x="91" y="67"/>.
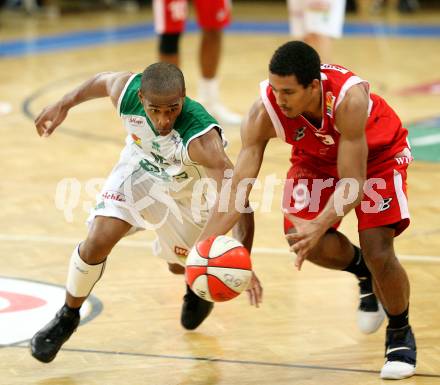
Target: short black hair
<point x="162" y="79"/>
<point x="296" y="58"/>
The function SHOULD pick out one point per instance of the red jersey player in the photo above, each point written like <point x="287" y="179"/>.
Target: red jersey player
<point x="212" y="17"/>
<point x="349" y="150"/>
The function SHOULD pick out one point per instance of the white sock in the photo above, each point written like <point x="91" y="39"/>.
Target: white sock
<point x="81" y="276"/>
<point x="208" y="91"/>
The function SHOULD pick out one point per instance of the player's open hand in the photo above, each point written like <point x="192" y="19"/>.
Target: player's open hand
<point x="50" y="118"/>
<point x="255" y="291"/>
<point x="308" y="234"/>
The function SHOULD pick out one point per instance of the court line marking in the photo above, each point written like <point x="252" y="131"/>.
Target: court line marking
<point x="427" y="140"/>
<point x="55" y="240"/>
<point x="227" y="361"/>
<point x="258" y="250"/>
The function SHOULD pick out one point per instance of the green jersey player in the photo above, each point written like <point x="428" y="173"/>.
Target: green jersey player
<point x="174" y="152"/>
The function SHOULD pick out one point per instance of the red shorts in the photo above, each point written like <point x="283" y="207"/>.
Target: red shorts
<point x="170" y="15"/>
<point x="308" y="189"/>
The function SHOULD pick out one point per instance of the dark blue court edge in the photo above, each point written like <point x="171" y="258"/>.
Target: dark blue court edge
<point x="86" y="38"/>
<point x="226" y="361"/>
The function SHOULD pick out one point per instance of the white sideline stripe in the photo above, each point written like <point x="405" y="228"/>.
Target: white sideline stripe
<point x="143" y="244"/>
<point x="64" y="241"/>
<point x="425" y="140"/>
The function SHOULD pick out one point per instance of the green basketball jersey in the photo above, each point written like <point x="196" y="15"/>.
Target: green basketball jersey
<point x="165" y="157"/>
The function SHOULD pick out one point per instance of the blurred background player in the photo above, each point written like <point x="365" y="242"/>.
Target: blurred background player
<point x="317" y="22"/>
<point x="212" y="16"/>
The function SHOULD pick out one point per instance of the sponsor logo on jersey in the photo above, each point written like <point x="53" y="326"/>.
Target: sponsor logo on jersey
<point x="334" y="67"/>
<point x="136" y="121"/>
<point x="329" y="103"/>
<point x="181" y="251"/>
<point x="300" y="133"/>
<point x="403" y="160"/>
<point x="326" y="139"/>
<point x="26" y="306"/>
<point x="385" y="204"/>
<point x="114" y="196"/>
<point x="137" y="140"/>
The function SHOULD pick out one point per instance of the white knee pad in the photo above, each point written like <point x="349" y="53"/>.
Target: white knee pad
<point x="81" y="276"/>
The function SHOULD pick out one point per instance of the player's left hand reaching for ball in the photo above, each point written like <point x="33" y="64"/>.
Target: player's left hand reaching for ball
<point x="255" y="291"/>
<point x="308" y="233"/>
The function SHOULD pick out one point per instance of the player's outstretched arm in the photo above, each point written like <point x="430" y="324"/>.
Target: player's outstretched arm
<point x="211" y="155"/>
<point x="256" y="131"/>
<point x="101" y="85"/>
<point x="207" y="150"/>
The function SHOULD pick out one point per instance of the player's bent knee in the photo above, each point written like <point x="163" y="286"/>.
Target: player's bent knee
<point x="169" y="43"/>
<point x="379" y="261"/>
<point x="175" y="268"/>
<point x="94" y="250"/>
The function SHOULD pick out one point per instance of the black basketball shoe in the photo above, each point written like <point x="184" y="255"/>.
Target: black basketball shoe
<point x="400" y="354"/>
<point x="46" y="343"/>
<point x="194" y="310"/>
<point x="370" y="311"/>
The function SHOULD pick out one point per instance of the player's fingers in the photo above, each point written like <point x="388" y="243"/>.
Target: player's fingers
<point x="42" y="127"/>
<point x="295" y="248"/>
<point x="299" y="261"/>
<point x="301" y="256"/>
<point x="294" y="237"/>
<point x="39" y="130"/>
<point x="298" y="222"/>
<point x="47" y="128"/>
<point x="259" y="294"/>
<point x="38" y="118"/>
<point x="300" y="245"/>
<point x="256" y="298"/>
<point x="251" y="297"/>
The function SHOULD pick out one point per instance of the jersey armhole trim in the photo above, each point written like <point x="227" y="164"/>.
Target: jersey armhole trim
<point x="271" y="111"/>
<point x="130" y="79"/>
<point x="351" y="81"/>
<point x="200" y="133"/>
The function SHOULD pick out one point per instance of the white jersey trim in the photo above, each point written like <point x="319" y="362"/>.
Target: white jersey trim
<point x="130" y="79"/>
<point x="350" y="82"/>
<point x="200" y="133"/>
<point x="270" y="110"/>
<point x="401" y="198"/>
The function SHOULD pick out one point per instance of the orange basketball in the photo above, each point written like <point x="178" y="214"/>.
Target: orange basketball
<point x="218" y="268"/>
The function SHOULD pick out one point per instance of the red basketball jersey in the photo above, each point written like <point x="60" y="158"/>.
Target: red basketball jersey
<point x="385" y="134"/>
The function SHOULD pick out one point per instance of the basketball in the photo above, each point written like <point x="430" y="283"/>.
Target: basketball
<point x="218" y="268"/>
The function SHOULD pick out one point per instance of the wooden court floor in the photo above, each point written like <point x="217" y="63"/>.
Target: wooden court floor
<point x="305" y="331"/>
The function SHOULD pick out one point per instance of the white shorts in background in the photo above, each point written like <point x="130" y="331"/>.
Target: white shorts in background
<point x="324" y="17"/>
<point x="130" y="193"/>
